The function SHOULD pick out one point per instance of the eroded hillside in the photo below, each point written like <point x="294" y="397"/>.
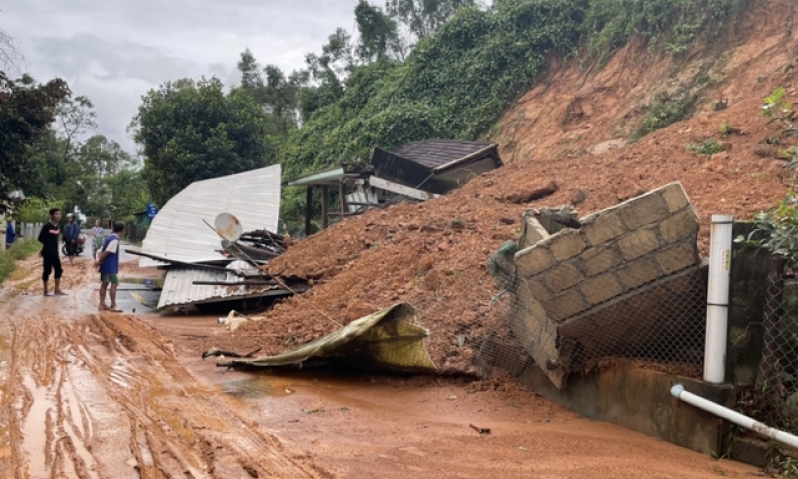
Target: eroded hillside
<point x="574" y="129"/>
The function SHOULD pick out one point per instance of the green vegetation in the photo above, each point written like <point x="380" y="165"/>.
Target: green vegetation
<point x="779" y="111"/>
<point x="665" y="111"/>
<point x="678" y="23"/>
<point x="726" y="130"/>
<point x="193" y="131"/>
<point x="18" y="251"/>
<point x="417" y="69"/>
<point x="26" y="111"/>
<point x="776" y="231"/>
<point x="706" y="147"/>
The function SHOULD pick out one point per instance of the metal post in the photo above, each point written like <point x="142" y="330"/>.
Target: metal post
<point x="308" y="210"/>
<point x="342" y="194"/>
<point x="324" y="207"/>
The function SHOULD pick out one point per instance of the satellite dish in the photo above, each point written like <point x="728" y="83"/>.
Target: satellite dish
<point x="228" y="226"/>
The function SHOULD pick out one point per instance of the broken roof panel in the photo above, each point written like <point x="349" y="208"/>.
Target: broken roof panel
<point x="438" y="153"/>
<point x="178" y="233"/>
<point x="179" y="288"/>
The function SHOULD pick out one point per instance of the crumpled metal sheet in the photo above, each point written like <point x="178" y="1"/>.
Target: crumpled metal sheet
<point x="389" y="339"/>
<point x="179" y="288"/>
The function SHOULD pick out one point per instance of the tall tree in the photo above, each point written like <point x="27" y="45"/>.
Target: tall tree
<point x="76" y="117"/>
<point x="191" y="131"/>
<point x="279" y="95"/>
<point x="425" y="17"/>
<point x="379" y="34"/>
<point x="327" y="72"/>
<point x="10" y="56"/>
<point x="102" y="157"/>
<point x="26" y="111"/>
<point x="250" y="71"/>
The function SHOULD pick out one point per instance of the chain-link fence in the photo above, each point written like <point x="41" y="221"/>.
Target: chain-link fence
<point x="620" y="287"/>
<point x="775" y="395"/>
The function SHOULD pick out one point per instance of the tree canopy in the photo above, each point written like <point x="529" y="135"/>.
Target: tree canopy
<point x="26" y="111"/>
<point x="191" y="131"/>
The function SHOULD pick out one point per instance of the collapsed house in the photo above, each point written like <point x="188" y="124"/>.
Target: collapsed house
<point x="417" y="171"/>
<point x="201" y="266"/>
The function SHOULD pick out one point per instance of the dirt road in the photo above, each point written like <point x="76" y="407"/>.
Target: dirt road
<point x="89" y="395"/>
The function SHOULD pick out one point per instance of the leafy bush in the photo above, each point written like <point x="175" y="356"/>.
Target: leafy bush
<point x="34" y="210"/>
<point x="706" y="147"/>
<point x="778" y="110"/>
<point x="665" y="111"/>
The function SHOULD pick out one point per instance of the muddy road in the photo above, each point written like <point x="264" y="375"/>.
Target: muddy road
<point x="90" y="395"/>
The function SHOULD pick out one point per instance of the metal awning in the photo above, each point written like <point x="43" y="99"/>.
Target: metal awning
<point x="330" y="176"/>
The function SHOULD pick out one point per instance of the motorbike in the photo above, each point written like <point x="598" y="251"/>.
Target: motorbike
<point x="81" y="245"/>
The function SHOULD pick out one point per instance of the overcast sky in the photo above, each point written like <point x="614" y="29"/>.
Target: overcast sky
<point x="114" y="51"/>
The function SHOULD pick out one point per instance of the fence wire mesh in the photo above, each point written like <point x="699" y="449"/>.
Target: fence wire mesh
<point x="775" y="394"/>
<point x="569" y="303"/>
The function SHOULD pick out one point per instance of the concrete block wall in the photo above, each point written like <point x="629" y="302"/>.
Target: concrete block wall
<point x="565" y="276"/>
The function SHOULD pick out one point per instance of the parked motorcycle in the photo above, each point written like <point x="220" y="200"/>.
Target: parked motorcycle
<point x="81" y="245"/>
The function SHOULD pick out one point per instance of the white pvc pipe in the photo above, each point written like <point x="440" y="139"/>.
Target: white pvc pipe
<point x="678" y="392"/>
<point x="718" y="299"/>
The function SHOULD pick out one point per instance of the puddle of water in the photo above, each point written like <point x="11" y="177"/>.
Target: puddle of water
<point x="43" y="411"/>
<point x="255" y="387"/>
<point x="34" y="430"/>
<point x="325" y="385"/>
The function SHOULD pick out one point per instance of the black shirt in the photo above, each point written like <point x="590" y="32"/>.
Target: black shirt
<point x="49" y="238"/>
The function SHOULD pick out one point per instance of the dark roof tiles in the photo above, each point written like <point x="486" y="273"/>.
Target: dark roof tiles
<point x="435" y="153"/>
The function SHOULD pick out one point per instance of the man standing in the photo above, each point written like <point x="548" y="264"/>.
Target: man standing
<point x="71" y="234"/>
<point x="48" y="237"/>
<point x="11" y="235"/>
<point x="108" y="262"/>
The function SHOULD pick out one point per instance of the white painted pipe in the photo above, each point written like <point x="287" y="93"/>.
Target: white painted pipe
<point x="735" y="417"/>
<point x="718" y="299"/>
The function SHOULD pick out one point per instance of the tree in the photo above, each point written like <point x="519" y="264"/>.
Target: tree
<point x="102" y="157"/>
<point x="26" y="111"/>
<point x="9" y="53"/>
<point x="327" y="73"/>
<point x="425" y="17"/>
<point x="10" y="56"/>
<point x="75" y="118"/>
<point x="379" y="34"/>
<point x="250" y="71"/>
<point x="278" y="95"/>
<point x="191" y="131"/>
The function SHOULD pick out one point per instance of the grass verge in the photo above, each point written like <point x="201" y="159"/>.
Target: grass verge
<point x="18" y="251"/>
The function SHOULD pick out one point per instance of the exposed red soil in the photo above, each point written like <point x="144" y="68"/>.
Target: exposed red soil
<point x="434" y="254"/>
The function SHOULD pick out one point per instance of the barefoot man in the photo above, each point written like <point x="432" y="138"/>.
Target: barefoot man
<point x="108" y="262"/>
<point x="48" y="237"/>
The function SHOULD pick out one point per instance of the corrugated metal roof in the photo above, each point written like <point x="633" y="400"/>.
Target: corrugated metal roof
<point x="178" y="233"/>
<point x="178" y="287"/>
<point x="435" y="153"/>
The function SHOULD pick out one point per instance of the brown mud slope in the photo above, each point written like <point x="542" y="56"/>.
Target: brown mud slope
<point x="433" y="255"/>
<point x="87" y="395"/>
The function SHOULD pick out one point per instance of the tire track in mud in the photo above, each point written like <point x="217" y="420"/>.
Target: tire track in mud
<point x="95" y="396"/>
